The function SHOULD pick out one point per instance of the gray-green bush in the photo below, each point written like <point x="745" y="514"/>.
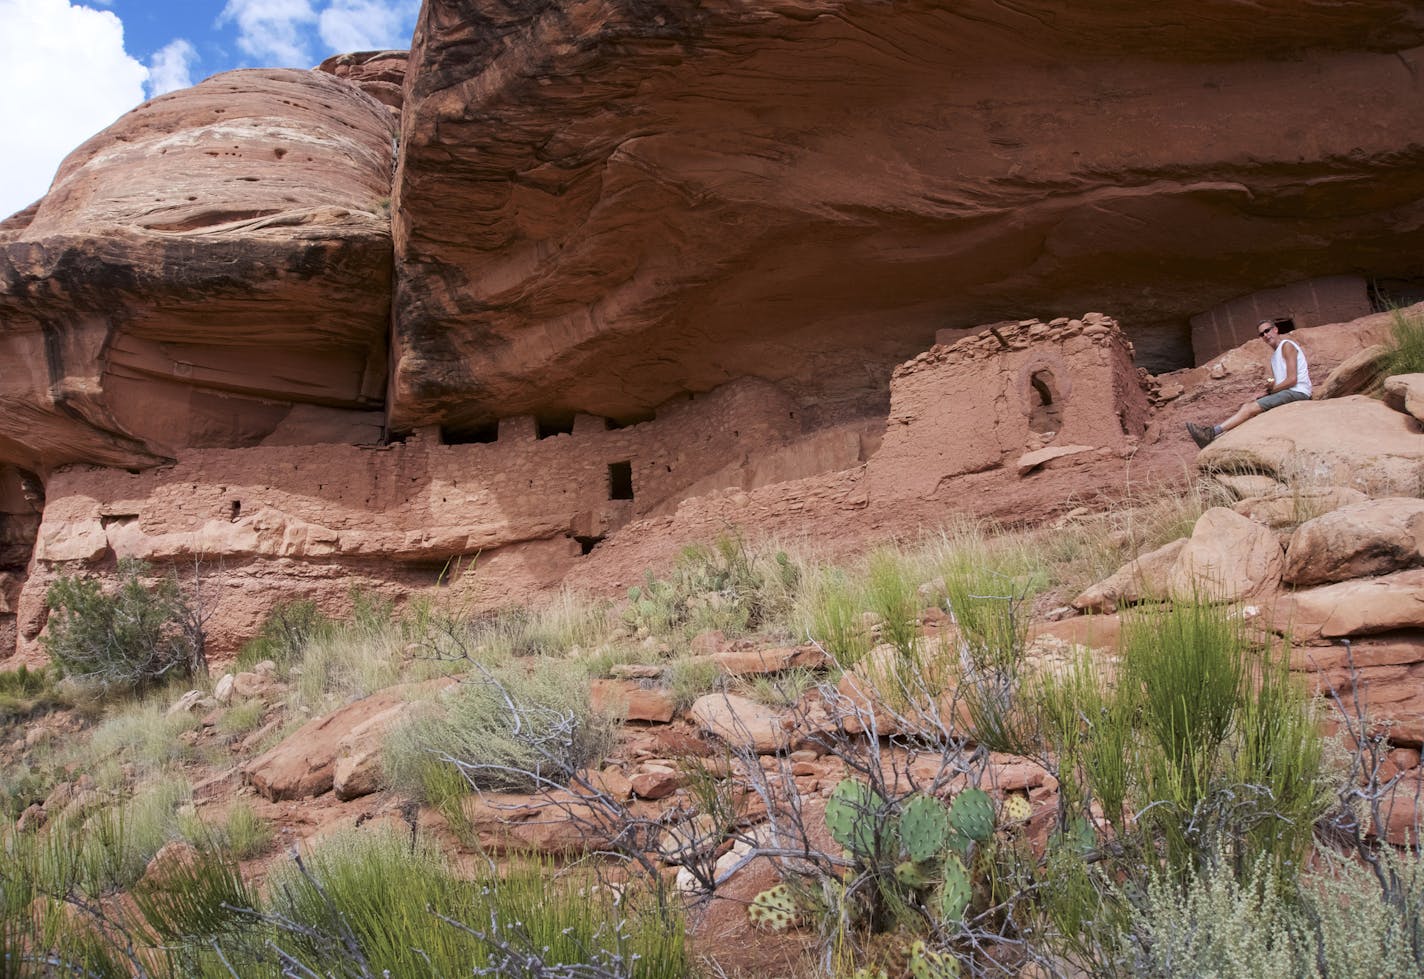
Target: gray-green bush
<point x="135" y="635"/>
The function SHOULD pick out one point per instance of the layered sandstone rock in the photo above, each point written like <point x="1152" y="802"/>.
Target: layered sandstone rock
<point x="602" y="205"/>
<point x="212" y="269"/>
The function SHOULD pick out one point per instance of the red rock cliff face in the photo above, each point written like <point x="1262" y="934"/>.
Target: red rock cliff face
<point x="603" y="203"/>
<point x="213" y="269"/>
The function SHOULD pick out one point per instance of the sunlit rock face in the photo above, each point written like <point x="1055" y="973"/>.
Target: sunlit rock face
<point x="603" y="203"/>
<point x="212" y="269"/>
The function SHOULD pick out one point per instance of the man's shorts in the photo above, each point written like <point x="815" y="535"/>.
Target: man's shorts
<point x="1280" y="398"/>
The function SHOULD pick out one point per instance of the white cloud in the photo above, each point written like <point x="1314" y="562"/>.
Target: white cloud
<point x="171" y="67"/>
<point x="274" y="32"/>
<point x="65" y="76"/>
<point x="367" y="25"/>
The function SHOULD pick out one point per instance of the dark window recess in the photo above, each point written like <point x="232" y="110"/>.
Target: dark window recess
<point x="547" y="426"/>
<point x="234" y="510"/>
<point x="624" y="421"/>
<point x="488" y="432"/>
<point x="1284" y="324"/>
<point x="587" y="544"/>
<point x="398" y="438"/>
<point x="620" y="480"/>
<point x="1045" y="412"/>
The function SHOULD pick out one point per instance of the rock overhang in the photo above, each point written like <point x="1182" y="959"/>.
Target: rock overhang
<point x="602" y="206"/>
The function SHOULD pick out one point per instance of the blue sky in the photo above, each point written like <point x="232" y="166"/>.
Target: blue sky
<point x="68" y="68"/>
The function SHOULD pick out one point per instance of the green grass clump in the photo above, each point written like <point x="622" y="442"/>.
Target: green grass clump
<point x="1406" y="354"/>
<point x="832" y="615"/>
<point x="25" y="692"/>
<point x="284" y="635"/>
<point x="361" y="905"/>
<point x="506" y="729"/>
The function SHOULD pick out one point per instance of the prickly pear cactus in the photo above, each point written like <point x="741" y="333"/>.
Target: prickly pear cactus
<point x="913" y="875"/>
<point x="774" y="909"/>
<point x="956" y="890"/>
<point x="972" y="813"/>
<point x="1017" y="808"/>
<point x="850" y="816"/>
<point x="924" y="827"/>
<point x="926" y="963"/>
<point x="865" y="972"/>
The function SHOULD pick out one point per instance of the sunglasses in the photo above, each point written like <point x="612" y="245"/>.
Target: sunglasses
<point x="1262" y="333"/>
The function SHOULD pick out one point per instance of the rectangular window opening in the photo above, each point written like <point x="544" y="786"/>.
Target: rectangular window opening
<point x="470" y="435"/>
<point x="547" y="426"/>
<point x="620" y="480"/>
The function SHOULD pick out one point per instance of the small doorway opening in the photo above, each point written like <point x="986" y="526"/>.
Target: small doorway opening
<point x="620" y="480"/>
<point x="1045" y="410"/>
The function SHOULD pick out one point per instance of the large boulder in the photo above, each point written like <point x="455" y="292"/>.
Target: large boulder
<point x="1145" y="577"/>
<point x="1353" y="608"/>
<point x="1355" y="441"/>
<point x="1370" y="538"/>
<point x="304" y="764"/>
<point x="1228" y="558"/>
<point x="212" y="269"/>
<point x="1405" y="392"/>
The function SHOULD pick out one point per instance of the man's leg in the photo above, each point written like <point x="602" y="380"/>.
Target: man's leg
<point x="1204" y="435"/>
<point x="1247" y="411"/>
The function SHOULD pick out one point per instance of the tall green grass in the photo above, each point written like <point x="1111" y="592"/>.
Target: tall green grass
<point x="1406" y="354"/>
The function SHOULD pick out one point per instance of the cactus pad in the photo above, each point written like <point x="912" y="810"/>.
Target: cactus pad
<point x="851" y="813"/>
<point x="774" y="909"/>
<point x="1017" y="808"/>
<point x="913" y="875"/>
<point x="926" y="963"/>
<point x="972" y="813"/>
<point x="924" y="827"/>
<point x="865" y="972"/>
<point x="956" y="891"/>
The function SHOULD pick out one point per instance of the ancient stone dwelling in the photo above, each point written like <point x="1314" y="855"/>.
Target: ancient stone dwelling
<point x="517" y="505"/>
<point x="554" y="275"/>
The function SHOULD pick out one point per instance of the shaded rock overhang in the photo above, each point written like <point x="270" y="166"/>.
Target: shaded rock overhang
<point x="602" y="204"/>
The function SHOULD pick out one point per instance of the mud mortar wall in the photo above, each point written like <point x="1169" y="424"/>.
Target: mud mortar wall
<point x="971" y="406"/>
<point x="392" y="518"/>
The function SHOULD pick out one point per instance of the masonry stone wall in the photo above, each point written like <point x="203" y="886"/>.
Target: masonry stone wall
<point x="1008" y="390"/>
<point x="1313" y="302"/>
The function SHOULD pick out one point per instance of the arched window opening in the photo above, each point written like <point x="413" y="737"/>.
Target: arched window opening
<point x="1045" y="410"/>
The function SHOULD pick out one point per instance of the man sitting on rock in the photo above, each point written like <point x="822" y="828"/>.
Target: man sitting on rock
<point x="1289" y="381"/>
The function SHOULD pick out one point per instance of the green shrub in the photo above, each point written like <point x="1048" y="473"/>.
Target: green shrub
<point x="284" y="635"/>
<point x="722" y="586"/>
<point x="1406" y="354"/>
<point x="507" y="730"/>
<point x="128" y="638"/>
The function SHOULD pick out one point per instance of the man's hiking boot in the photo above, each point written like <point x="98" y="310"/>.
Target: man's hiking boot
<point x="1202" y="435"/>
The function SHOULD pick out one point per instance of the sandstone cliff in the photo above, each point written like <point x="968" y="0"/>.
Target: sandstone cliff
<point x="565" y="269"/>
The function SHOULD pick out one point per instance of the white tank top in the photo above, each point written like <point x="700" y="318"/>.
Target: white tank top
<point x="1278" y="366"/>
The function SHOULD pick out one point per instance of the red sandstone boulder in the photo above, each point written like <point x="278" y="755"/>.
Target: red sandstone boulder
<point x="1352" y="608"/>
<point x="1371" y="538"/>
<point x="631" y="700"/>
<point x="1405" y="392"/>
<point x="740" y="722"/>
<point x="1228" y="558"/>
<point x="304" y="764"/>
<point x="1356" y="442"/>
<point x="1145" y="578"/>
